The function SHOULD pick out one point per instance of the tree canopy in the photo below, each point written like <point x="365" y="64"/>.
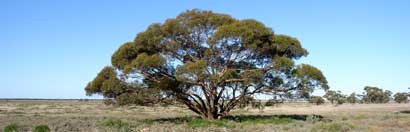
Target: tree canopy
<point x="335" y="97"/>
<point x="209" y="62"/>
<point x="376" y="95"/>
<point x="401" y="97"/>
<point x="352" y="98"/>
<point x="316" y="100"/>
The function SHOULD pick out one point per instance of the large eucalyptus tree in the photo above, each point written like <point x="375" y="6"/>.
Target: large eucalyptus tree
<point x="209" y="62"/>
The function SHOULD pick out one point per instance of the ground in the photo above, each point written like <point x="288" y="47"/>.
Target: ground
<point x="94" y="116"/>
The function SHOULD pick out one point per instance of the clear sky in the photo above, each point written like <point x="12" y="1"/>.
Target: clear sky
<point x="53" y="48"/>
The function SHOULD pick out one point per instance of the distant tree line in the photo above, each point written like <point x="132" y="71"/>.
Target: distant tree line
<point x="370" y="95"/>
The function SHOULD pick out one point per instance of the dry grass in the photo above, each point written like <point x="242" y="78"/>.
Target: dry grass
<point x="94" y="116"/>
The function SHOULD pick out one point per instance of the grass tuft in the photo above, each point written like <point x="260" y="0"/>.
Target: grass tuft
<point x="117" y="124"/>
<point x="332" y="127"/>
<point x="405" y="111"/>
<point x="13" y="127"/>
<point x="228" y="122"/>
<point x="197" y="122"/>
<point x="274" y="120"/>
<point x="41" y="128"/>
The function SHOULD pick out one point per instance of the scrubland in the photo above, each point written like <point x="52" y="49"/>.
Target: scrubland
<point x="94" y="116"/>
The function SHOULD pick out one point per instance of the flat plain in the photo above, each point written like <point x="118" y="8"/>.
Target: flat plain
<point x="94" y="116"/>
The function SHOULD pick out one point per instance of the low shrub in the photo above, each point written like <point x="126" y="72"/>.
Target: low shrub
<point x="117" y="124"/>
<point x="274" y="120"/>
<point x="405" y="111"/>
<point x="332" y="127"/>
<point x="231" y="122"/>
<point x="317" y="100"/>
<point x="273" y="102"/>
<point x="313" y="118"/>
<point x="228" y="122"/>
<point x="108" y="102"/>
<point x="197" y="122"/>
<point x="13" y="127"/>
<point x="41" y="128"/>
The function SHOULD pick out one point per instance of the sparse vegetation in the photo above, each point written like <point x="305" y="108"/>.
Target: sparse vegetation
<point x="405" y="111"/>
<point x="116" y="124"/>
<point x="273" y="102"/>
<point x="13" y="127"/>
<point x="246" y="101"/>
<point x="332" y="127"/>
<point x="317" y="100"/>
<point x="202" y="70"/>
<point x="95" y="116"/>
<point x="41" y="128"/>
<point x="206" y="123"/>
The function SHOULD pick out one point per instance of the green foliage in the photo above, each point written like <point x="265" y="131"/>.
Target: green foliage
<point x="249" y="31"/>
<point x="117" y="124"/>
<point x="117" y="91"/>
<point x="207" y="61"/>
<point x="335" y="97"/>
<point x="106" y="83"/>
<point x="196" y="122"/>
<point x="273" y="120"/>
<point x="124" y="55"/>
<point x="283" y="63"/>
<point x="145" y="61"/>
<point x="192" y="71"/>
<point x="352" y="98"/>
<point x="376" y="95"/>
<point x="332" y="127"/>
<point x="251" y="76"/>
<point x="41" y="128"/>
<point x="286" y="44"/>
<point x="401" y="97"/>
<point x="310" y="76"/>
<point x="316" y="100"/>
<point x="207" y="123"/>
<point x="125" y="99"/>
<point x="13" y="127"/>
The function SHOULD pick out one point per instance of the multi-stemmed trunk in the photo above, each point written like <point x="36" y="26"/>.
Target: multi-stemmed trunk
<point x="212" y="105"/>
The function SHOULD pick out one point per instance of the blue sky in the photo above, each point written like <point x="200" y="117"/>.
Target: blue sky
<point x="52" y="49"/>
